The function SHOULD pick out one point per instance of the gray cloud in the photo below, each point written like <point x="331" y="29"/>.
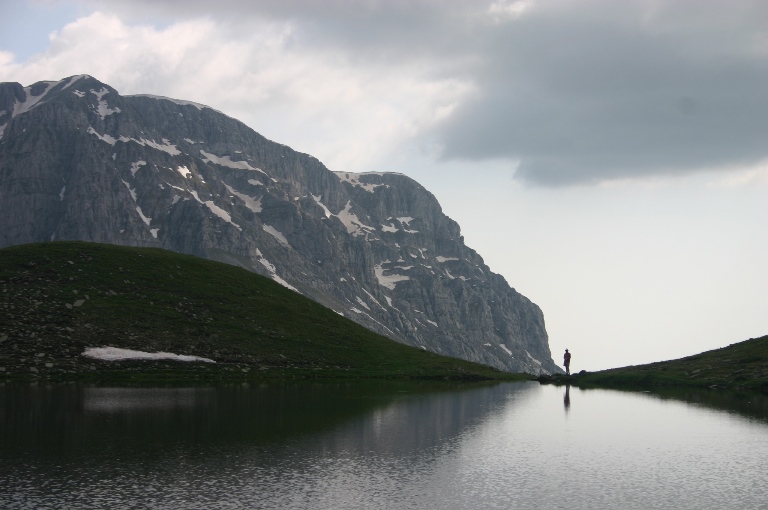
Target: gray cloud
<point x="578" y="100"/>
<point x="368" y="28"/>
<point x="575" y="92"/>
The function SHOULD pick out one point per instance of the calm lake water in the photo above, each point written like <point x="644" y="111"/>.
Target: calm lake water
<point x="379" y="446"/>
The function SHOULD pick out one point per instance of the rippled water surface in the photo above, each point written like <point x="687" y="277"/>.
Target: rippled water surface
<point x="379" y="446"/>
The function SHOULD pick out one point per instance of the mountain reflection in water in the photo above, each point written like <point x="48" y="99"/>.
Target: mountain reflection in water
<point x="379" y="445"/>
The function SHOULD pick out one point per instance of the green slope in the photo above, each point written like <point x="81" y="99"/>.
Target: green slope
<point x="59" y="298"/>
<point x="740" y="366"/>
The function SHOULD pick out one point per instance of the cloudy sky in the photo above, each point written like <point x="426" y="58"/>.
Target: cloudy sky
<point x="608" y="158"/>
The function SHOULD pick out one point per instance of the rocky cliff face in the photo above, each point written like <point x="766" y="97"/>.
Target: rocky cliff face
<point x="80" y="161"/>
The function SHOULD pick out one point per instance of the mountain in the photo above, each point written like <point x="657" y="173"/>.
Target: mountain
<point x="78" y="161"/>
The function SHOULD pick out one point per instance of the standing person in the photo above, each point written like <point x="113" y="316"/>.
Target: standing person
<point x="567" y="362"/>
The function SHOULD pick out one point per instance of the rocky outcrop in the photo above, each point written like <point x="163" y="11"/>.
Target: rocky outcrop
<point x="78" y="161"/>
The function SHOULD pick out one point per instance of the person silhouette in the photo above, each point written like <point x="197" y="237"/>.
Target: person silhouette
<point x="567" y="362"/>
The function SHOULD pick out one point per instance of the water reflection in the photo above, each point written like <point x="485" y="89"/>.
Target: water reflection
<point x="380" y="446"/>
<point x="748" y="404"/>
<point x="54" y="419"/>
<point x="133" y="399"/>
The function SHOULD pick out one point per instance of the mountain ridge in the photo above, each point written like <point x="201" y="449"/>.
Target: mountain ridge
<point x="78" y="161"/>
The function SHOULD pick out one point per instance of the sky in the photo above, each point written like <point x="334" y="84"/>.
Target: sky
<point x="609" y="159"/>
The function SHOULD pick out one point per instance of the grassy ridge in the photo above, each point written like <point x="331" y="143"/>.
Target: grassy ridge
<point x="740" y="366"/>
<point x="58" y="298"/>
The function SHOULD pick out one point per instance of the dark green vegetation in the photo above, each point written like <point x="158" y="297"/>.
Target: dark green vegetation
<point x="59" y="298"/>
<point x="740" y="366"/>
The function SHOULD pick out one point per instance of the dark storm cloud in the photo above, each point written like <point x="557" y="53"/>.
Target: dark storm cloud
<point x="575" y="91"/>
<point x="578" y="99"/>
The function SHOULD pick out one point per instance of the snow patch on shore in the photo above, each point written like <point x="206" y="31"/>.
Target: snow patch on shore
<point x="118" y="354"/>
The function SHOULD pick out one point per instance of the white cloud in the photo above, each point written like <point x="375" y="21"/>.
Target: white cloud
<point x="351" y="114"/>
<point x="6" y="61"/>
<point x="505" y="10"/>
<point x="567" y="92"/>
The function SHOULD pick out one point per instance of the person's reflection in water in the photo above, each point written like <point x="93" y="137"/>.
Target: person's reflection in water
<point x="567" y="397"/>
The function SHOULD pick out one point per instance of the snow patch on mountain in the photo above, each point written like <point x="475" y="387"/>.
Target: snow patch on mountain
<point x="533" y="359"/>
<point x="147" y="220"/>
<point x="136" y="166"/>
<point x="215" y="209"/>
<point x="30" y="101"/>
<point x="370" y="317"/>
<point x="318" y="199"/>
<point x="277" y="234"/>
<point x="354" y="225"/>
<point x="227" y="162"/>
<point x="273" y="271"/>
<point x="104" y="138"/>
<point x="252" y="203"/>
<point x="354" y="180"/>
<point x="166" y="146"/>
<point x="362" y="303"/>
<point x="374" y="299"/>
<point x="130" y="190"/>
<point x="103" y="108"/>
<point x="388" y="280"/>
<point x="389" y="228"/>
<point x="221" y="213"/>
<point x="74" y="79"/>
<point x="143" y="217"/>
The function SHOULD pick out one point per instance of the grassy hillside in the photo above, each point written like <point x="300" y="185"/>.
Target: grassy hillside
<point x="59" y="298"/>
<point x="740" y="366"/>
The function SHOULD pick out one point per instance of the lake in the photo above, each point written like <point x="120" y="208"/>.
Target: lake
<point x="380" y="445"/>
